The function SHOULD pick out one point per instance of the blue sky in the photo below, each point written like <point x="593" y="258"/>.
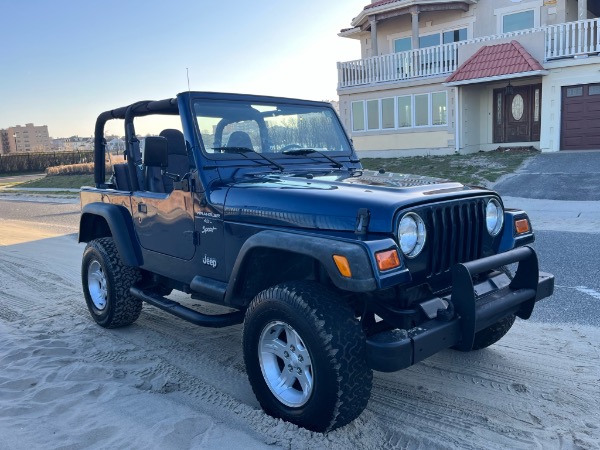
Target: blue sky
<point x="65" y="61"/>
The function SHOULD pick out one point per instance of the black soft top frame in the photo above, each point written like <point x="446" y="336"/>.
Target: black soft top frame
<point x="127" y="113"/>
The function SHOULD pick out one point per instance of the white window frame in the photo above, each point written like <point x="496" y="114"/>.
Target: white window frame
<point x="396" y="38"/>
<point x="364" y="116"/>
<point x="466" y="27"/>
<point x="396" y="117"/>
<point x="378" y="109"/>
<point x="451" y="26"/>
<point x="504" y="16"/>
<point x="394" y="121"/>
<point x="414" y="111"/>
<point x="536" y="6"/>
<point x="439" y="33"/>
<point x="431" y="108"/>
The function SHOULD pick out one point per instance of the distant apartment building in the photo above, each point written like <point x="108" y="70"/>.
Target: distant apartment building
<point x="115" y="144"/>
<point x="76" y="143"/>
<point x="28" y="138"/>
<point x="58" y="144"/>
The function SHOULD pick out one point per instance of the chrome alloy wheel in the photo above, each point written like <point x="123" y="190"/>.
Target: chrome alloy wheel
<point x="285" y="363"/>
<point x="97" y="285"/>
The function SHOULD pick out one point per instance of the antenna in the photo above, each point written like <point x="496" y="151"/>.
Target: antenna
<point x="194" y="131"/>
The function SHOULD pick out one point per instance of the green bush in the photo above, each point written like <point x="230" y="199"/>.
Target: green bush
<point x="39" y="162"/>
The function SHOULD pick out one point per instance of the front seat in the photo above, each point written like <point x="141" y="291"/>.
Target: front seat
<point x="240" y="139"/>
<point x="179" y="162"/>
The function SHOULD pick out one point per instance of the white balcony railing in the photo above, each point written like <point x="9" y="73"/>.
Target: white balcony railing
<point x="561" y="41"/>
<point x="422" y="62"/>
<point x="573" y="39"/>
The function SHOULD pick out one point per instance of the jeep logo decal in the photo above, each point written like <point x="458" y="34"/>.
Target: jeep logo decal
<point x="207" y="260"/>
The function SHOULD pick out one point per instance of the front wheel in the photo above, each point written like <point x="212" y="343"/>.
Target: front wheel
<point x="305" y="356"/>
<point x="493" y="333"/>
<point x="106" y="282"/>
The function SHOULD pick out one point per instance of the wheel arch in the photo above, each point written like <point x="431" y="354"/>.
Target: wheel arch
<point x="295" y="257"/>
<point x="106" y="220"/>
<point x="256" y="272"/>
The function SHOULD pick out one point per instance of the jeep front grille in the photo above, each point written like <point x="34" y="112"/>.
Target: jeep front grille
<point x="456" y="233"/>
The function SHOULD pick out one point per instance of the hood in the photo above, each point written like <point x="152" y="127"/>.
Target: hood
<point x="332" y="201"/>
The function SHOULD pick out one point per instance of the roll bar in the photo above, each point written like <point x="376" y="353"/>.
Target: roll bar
<point x="138" y="109"/>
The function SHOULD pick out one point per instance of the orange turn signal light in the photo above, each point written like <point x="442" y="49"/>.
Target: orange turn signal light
<point x="343" y="265"/>
<point x="387" y="259"/>
<point x="522" y="226"/>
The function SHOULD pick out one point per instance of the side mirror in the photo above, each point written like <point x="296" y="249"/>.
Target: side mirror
<point x="156" y="152"/>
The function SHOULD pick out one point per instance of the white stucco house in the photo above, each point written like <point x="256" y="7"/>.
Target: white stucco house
<point x="445" y="76"/>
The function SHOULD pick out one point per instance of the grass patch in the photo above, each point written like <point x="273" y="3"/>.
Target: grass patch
<point x="44" y="194"/>
<point x="17" y="174"/>
<point x="59" y="182"/>
<point x="481" y="169"/>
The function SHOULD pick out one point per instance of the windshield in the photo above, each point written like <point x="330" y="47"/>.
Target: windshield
<point x="272" y="128"/>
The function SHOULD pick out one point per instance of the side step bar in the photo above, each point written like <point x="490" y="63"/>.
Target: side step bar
<point x="195" y="317"/>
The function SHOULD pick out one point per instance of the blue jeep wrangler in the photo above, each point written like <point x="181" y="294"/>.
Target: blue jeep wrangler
<point x="260" y="204"/>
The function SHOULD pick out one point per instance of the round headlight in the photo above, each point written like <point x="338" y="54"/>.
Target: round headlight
<point x="494" y="217"/>
<point x="411" y="235"/>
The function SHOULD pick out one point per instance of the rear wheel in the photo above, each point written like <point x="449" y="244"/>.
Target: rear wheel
<point x="106" y="282"/>
<point x="305" y="356"/>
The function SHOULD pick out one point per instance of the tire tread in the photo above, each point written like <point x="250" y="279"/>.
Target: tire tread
<point x="126" y="308"/>
<point x="342" y="338"/>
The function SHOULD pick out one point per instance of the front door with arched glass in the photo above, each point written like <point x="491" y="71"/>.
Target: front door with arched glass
<point x="517" y="114"/>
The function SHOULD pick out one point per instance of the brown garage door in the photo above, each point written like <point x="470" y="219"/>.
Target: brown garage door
<point x="580" y="129"/>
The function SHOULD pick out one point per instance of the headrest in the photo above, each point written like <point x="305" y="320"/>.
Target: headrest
<point x="176" y="141"/>
<point x="240" y="139"/>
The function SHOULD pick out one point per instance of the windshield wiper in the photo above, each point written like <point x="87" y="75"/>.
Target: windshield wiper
<point x="243" y="150"/>
<point x="308" y="151"/>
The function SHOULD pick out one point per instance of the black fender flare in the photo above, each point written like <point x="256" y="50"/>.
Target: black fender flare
<point x="320" y="248"/>
<point x="121" y="228"/>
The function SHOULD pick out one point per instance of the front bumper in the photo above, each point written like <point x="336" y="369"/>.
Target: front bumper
<point x="476" y="307"/>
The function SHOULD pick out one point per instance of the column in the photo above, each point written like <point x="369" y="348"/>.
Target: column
<point x="582" y="10"/>
<point x="415" y="29"/>
<point x="374" y="51"/>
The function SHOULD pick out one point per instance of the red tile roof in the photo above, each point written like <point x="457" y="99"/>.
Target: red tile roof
<point x="494" y="61"/>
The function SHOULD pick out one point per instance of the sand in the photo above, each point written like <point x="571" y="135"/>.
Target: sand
<point x="165" y="384"/>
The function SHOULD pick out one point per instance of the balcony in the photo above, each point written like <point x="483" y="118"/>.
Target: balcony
<point x="565" y="40"/>
<point x="573" y="39"/>
<point x="400" y="66"/>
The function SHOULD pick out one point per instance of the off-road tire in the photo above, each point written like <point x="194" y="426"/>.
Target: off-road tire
<point x="493" y="333"/>
<point x="341" y="380"/>
<point x="121" y="308"/>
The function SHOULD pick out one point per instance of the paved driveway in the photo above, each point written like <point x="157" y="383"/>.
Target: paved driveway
<point x="561" y="194"/>
<point x="571" y="176"/>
